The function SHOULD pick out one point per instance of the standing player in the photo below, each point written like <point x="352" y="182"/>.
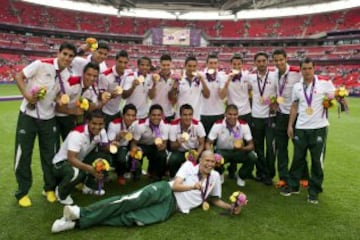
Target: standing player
<point x="212" y="108"/>
<point x="112" y="81"/>
<point x="263" y="84"/>
<point x="287" y="77"/>
<point x="310" y="129"/>
<point x="160" y="93"/>
<point x="37" y="118"/>
<point x="236" y="89"/>
<point x="190" y="88"/>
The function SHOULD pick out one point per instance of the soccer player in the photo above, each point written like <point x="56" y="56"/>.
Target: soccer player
<point x="236" y="88"/>
<point x="73" y="162"/>
<point x="263" y="85"/>
<point x="112" y="81"/>
<point x="310" y="129"/>
<point x="193" y="186"/>
<point x="37" y="118"/>
<point x="212" y="108"/>
<point x="160" y="93"/>
<point x="287" y="77"/>
<point x="151" y="135"/>
<point x="137" y="86"/>
<point x="234" y="142"/>
<point x="186" y="134"/>
<point x="190" y="88"/>
<point x="121" y="130"/>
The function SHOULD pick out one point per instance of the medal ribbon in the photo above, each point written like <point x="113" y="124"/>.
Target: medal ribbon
<point x="236" y="134"/>
<point x="62" y="87"/>
<point x="309" y="98"/>
<point x="155" y="129"/>
<point x="237" y="77"/>
<point x="282" y="86"/>
<point x="203" y="193"/>
<point x="262" y="89"/>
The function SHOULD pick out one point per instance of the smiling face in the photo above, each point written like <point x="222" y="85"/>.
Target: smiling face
<point x="190" y="67"/>
<point x="261" y="63"/>
<point x="129" y="117"/>
<point x="100" y="55"/>
<point x="231" y="116"/>
<point x="90" y="76"/>
<point x="165" y="66"/>
<point x="144" y="66"/>
<point x="212" y="63"/>
<point x="308" y="71"/>
<point x="155" y="116"/>
<point x="280" y="62"/>
<point x="186" y="116"/>
<point x="236" y="64"/>
<point x="207" y="162"/>
<point x="95" y="125"/>
<point x="121" y="64"/>
<point x="65" y="58"/>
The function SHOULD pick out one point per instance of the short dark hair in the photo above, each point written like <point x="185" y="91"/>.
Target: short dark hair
<point x="68" y="45"/>
<point x="231" y="107"/>
<point x="155" y="107"/>
<point x="103" y="45"/>
<point x="210" y="56"/>
<point x="236" y="56"/>
<point x="128" y="107"/>
<point x="186" y="107"/>
<point x="280" y="51"/>
<point x="307" y="60"/>
<point x="97" y="113"/>
<point x="92" y="65"/>
<point x="143" y="58"/>
<point x="261" y="54"/>
<point x="190" y="58"/>
<point x="122" y="53"/>
<point x="165" y="57"/>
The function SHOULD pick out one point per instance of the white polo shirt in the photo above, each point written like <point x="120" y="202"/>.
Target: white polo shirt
<point x="224" y="136"/>
<point x="118" y="125"/>
<point x="188" y="200"/>
<point x="316" y="120"/>
<point x="42" y="73"/>
<point x="190" y="93"/>
<point x="214" y="100"/>
<point x="261" y="110"/>
<point x="108" y="81"/>
<point x="145" y="135"/>
<point x="238" y="93"/>
<point x="162" y="88"/>
<point x="79" y="141"/>
<point x="139" y="96"/>
<point x="196" y="130"/>
<point x="290" y="77"/>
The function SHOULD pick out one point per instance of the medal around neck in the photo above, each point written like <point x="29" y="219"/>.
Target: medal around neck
<point x="210" y="71"/>
<point x="128" y="136"/>
<point x="119" y="90"/>
<point x="158" y="141"/>
<point x="205" y="206"/>
<point x="64" y="99"/>
<point x="105" y="96"/>
<point x="156" y="76"/>
<point x="113" y="148"/>
<point x="185" y="136"/>
<point x="280" y="100"/>
<point x="238" y="143"/>
<point x="141" y="79"/>
<point x="194" y="73"/>
<point x="235" y="72"/>
<point x="309" y="111"/>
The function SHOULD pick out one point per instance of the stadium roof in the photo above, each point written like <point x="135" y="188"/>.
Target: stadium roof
<point x="203" y="9"/>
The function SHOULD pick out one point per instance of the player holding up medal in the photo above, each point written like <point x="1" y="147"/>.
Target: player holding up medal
<point x="310" y="129"/>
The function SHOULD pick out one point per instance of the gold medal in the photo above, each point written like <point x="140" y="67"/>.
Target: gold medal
<point x="309" y="111"/>
<point x="238" y="143"/>
<point x="185" y="136"/>
<point x="205" y="206"/>
<point x="113" y="148"/>
<point x="64" y="99"/>
<point x="261" y="100"/>
<point x="118" y="90"/>
<point x="128" y="136"/>
<point x="280" y="100"/>
<point x="158" y="141"/>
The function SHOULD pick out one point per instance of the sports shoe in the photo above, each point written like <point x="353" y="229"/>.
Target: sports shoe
<point x="287" y="191"/>
<point x="61" y="225"/>
<point x="87" y="190"/>
<point x="25" y="201"/>
<point x="50" y="196"/>
<point x="304" y="183"/>
<point x="280" y="184"/>
<point x="71" y="213"/>
<point x="121" y="180"/>
<point x="240" y="182"/>
<point x="313" y="199"/>
<point x="67" y="201"/>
